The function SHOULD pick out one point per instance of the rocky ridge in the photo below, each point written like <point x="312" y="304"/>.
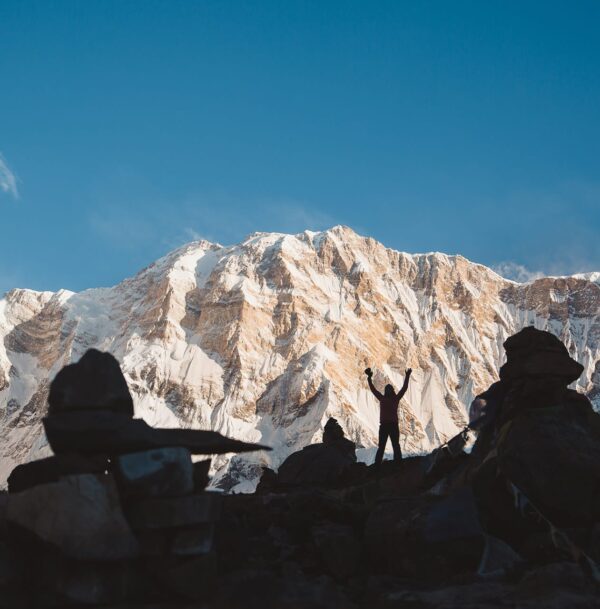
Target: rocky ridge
<point x="267" y="339"/>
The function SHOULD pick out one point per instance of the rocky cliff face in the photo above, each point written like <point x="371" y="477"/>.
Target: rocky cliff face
<point x="265" y="340"/>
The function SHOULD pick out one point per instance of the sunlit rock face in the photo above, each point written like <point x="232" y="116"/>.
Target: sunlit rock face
<point x="267" y="339"/>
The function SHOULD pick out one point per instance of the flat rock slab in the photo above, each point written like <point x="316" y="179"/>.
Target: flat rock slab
<point x="175" y="511"/>
<point x="154" y="473"/>
<point x="80" y="515"/>
<point x="105" y="432"/>
<point x="51" y="469"/>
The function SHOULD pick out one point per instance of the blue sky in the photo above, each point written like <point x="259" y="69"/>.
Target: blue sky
<point x="129" y="128"/>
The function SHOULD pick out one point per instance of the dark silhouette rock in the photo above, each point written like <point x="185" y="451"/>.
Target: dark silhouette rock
<point x="175" y="511"/>
<point x="543" y="441"/>
<point x="332" y="432"/>
<point x="498" y="558"/>
<point x="152" y="473"/>
<point x="260" y="588"/>
<point x="552" y="456"/>
<point x="200" y="474"/>
<point x="339" y="548"/>
<point x="193" y="541"/>
<point x="104" y="432"/>
<point x="454" y="517"/>
<point x="190" y="578"/>
<point x="53" y="468"/>
<point x="333" y="435"/>
<point x="315" y="464"/>
<point x="94" y="382"/>
<point x="90" y="413"/>
<point x="560" y="584"/>
<point x="80" y="515"/>
<point x="267" y="482"/>
<point x="84" y="584"/>
<point x="189" y="541"/>
<point x="10" y="567"/>
<point x="408" y="478"/>
<point x="425" y="537"/>
<point x="536" y="353"/>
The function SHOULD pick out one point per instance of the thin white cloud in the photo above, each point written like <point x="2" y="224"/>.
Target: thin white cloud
<point x="516" y="272"/>
<point x="8" y="180"/>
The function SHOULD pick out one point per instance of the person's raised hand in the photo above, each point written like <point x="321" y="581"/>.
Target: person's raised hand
<point x="408" y="371"/>
<point x="369" y="372"/>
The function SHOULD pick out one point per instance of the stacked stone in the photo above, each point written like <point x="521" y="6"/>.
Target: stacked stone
<point x="120" y="513"/>
<point x="328" y="463"/>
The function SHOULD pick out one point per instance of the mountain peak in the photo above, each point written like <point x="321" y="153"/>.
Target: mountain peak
<point x="264" y="340"/>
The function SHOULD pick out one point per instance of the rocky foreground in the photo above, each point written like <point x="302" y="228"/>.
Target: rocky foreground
<point x="120" y="515"/>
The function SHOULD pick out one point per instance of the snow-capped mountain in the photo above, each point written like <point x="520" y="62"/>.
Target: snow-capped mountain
<point x="264" y="340"/>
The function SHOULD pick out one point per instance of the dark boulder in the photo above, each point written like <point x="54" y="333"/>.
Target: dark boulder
<point x="552" y="455"/>
<point x="426" y="537"/>
<point x="79" y="515"/>
<point x="333" y="435"/>
<point x="316" y="464"/>
<point x="454" y="517"/>
<point x="536" y="353"/>
<point x="319" y="464"/>
<point x="94" y="382"/>
<point x="154" y="473"/>
<point x="200" y="474"/>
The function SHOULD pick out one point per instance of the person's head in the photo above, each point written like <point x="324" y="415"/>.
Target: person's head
<point x="389" y="391"/>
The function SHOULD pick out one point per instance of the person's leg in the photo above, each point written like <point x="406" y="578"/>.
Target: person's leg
<point x="383" y="436"/>
<point x="395" y="438"/>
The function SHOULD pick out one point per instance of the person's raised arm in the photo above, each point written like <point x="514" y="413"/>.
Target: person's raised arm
<point x="405" y="386"/>
<point x="374" y="391"/>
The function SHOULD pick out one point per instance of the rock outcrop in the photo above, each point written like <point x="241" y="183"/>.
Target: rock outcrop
<point x="328" y="463"/>
<point x="134" y="524"/>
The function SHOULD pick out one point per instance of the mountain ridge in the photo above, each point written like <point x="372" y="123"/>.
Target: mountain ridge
<point x="264" y="339"/>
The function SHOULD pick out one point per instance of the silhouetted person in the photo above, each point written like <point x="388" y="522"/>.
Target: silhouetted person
<point x="388" y="415"/>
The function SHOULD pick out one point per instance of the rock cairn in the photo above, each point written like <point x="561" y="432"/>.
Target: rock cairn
<point x="121" y="511"/>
